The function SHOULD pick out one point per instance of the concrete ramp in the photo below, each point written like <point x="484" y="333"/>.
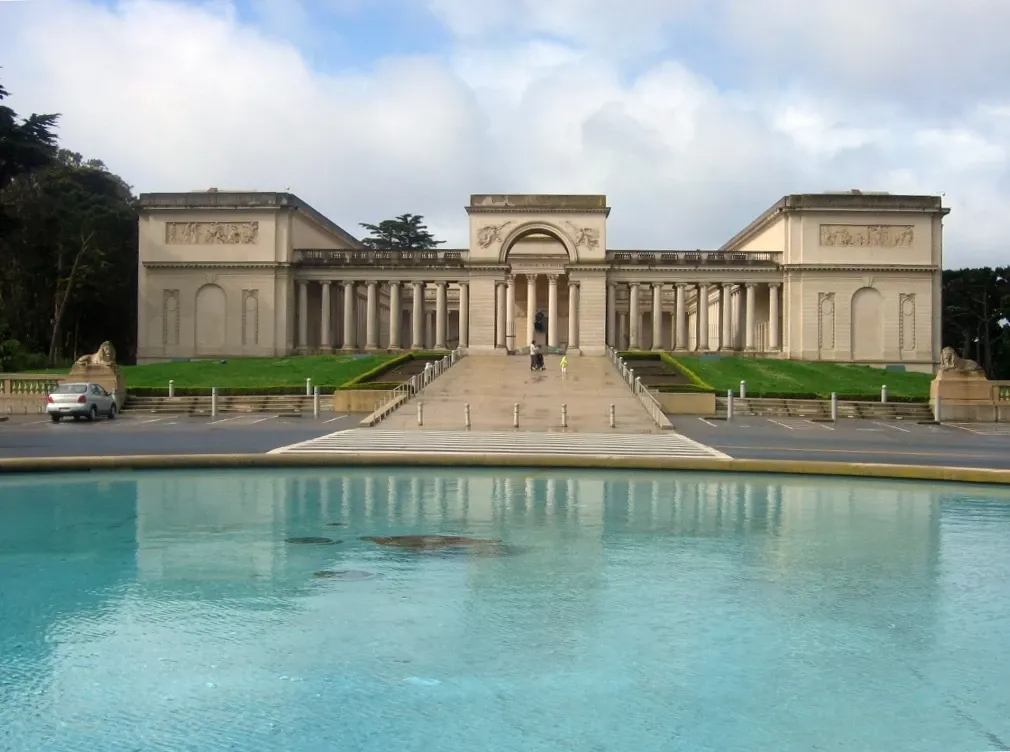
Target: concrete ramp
<point x="491" y="384"/>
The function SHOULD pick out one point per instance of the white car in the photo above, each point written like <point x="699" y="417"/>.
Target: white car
<point x="80" y="400"/>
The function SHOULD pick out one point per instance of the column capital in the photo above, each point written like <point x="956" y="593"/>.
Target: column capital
<point x="371" y="282"/>
<point x="774" y="284"/>
<point x="750" y="285"/>
<point x="442" y="283"/>
<point x="348" y="283"/>
<point x="681" y="285"/>
<point x="510" y="278"/>
<point x="552" y="278"/>
<point x="573" y="283"/>
<point x="660" y="285"/>
<point x="326" y="282"/>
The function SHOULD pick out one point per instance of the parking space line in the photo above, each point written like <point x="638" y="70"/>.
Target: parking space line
<point x="965" y="428"/>
<point x="706" y="422"/>
<point x="333" y="419"/>
<point x="772" y="420"/>
<point x="888" y="425"/>
<point x="269" y="417"/>
<point x="819" y="425"/>
<point x="152" y="420"/>
<point x="224" y="420"/>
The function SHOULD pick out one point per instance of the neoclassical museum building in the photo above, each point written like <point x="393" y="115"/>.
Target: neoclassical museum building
<point x="845" y="277"/>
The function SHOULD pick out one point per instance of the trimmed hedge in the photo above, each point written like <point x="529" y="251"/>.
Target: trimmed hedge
<point x="379" y="386"/>
<point x="387" y="366"/>
<point x="696" y="385"/>
<point x="227" y="391"/>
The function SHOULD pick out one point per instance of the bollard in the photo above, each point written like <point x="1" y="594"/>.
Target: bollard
<point x="308" y="387"/>
<point x="466" y="415"/>
<point x="315" y="402"/>
<point x="729" y="404"/>
<point x="171" y="388"/>
<point x="631" y="377"/>
<point x="743" y="390"/>
<point x="515" y="415"/>
<point x="420" y="414"/>
<point x="936" y="409"/>
<point x="834" y="407"/>
<point x="613" y="417"/>
<point x="213" y="402"/>
<point x="883" y="392"/>
<point x="564" y="416"/>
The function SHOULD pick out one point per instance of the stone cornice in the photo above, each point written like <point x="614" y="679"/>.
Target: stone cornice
<point x="533" y="210"/>
<point x="862" y="268"/>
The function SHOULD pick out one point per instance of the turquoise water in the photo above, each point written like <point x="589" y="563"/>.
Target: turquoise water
<point x="166" y="611"/>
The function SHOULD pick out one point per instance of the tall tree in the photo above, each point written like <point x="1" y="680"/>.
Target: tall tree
<point x="405" y="232"/>
<point x="976" y="307"/>
<point x="25" y="145"/>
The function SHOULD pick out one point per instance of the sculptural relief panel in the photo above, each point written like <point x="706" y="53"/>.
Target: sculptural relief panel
<point x="906" y="321"/>
<point x="826" y="321"/>
<point x="170" y="318"/>
<point x="868" y="236"/>
<point x="250" y="317"/>
<point x="211" y="233"/>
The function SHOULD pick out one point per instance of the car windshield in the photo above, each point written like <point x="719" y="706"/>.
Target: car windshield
<point x="71" y="389"/>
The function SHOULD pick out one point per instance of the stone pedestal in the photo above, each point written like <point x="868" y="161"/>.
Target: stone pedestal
<point x="969" y="396"/>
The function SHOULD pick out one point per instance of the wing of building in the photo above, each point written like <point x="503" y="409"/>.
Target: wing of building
<point x="844" y="277"/>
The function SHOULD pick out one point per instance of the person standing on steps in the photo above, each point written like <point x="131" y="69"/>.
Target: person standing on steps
<point x="533" y="356"/>
<point x="564" y="364"/>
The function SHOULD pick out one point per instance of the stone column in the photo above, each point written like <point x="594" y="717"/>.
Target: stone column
<point x="749" y="325"/>
<point x="510" y="311"/>
<point x="394" y="315"/>
<point x="464" y="314"/>
<point x="681" y="316"/>
<point x="441" y="311"/>
<point x="552" y="310"/>
<point x="774" y="333"/>
<point x="622" y="330"/>
<point x="350" y="305"/>
<point x="303" y="316"/>
<point x="634" y="318"/>
<point x="417" y="318"/>
<point x="372" y="317"/>
<point x="612" y="314"/>
<point x="726" y="317"/>
<point x="325" y="316"/>
<point x="531" y="306"/>
<point x="657" y="316"/>
<point x="499" y="301"/>
<point x="703" y="312"/>
<point x="573" y="315"/>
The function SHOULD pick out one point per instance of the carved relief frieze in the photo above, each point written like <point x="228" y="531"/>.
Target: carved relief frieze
<point x="250" y="317"/>
<point x="211" y="233"/>
<point x="868" y="236"/>
<point x="906" y="321"/>
<point x="490" y="234"/>
<point x="584" y="237"/>
<point x="826" y="321"/>
<point x="170" y="318"/>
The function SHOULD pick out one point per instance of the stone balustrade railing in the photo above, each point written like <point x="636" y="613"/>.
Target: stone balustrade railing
<point x="400" y="258"/>
<point x="23" y="393"/>
<point x="695" y="258"/>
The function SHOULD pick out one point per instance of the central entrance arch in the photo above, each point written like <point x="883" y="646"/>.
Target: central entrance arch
<point x="538" y="256"/>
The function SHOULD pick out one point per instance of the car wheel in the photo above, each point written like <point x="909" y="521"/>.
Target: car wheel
<point x="93" y="414"/>
<point x="112" y="411"/>
<point x="54" y="418"/>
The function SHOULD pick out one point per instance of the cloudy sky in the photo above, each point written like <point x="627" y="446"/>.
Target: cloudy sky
<point x="693" y="116"/>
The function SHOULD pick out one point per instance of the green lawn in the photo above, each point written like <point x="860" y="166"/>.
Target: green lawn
<point x="770" y="377"/>
<point x="330" y="370"/>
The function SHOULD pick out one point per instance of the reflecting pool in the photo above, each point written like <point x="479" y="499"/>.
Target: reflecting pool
<point x="267" y="610"/>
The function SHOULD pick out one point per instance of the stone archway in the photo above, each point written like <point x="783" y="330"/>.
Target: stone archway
<point x="867" y="324"/>
<point x="538" y="256"/>
<point x="537" y="229"/>
<point x="211" y="320"/>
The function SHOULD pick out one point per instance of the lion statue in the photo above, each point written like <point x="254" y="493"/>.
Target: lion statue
<point x="951" y="361"/>
<point x="106" y="356"/>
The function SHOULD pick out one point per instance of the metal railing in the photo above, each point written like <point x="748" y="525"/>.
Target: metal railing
<point x="644" y="394"/>
<point x="402" y="394"/>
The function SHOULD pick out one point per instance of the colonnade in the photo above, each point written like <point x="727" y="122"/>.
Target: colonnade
<point x="728" y="307"/>
<point x="396" y="297"/>
<point x="505" y="311"/>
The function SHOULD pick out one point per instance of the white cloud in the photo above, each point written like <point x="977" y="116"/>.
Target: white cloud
<point x="568" y="96"/>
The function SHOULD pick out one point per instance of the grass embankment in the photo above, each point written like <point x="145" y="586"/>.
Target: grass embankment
<point x="767" y="377"/>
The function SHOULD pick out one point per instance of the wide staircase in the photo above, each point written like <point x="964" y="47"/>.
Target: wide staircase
<point x="276" y="403"/>
<point x="821" y="409"/>
<point x="493" y="384"/>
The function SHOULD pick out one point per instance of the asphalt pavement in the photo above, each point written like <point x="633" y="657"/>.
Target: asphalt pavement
<point x="848" y="440"/>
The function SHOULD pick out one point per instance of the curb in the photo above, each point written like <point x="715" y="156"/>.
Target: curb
<point x="439" y="459"/>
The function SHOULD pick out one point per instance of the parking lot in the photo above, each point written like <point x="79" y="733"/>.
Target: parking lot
<point x="854" y="440"/>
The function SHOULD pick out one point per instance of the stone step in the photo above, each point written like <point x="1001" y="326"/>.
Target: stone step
<point x="493" y="384"/>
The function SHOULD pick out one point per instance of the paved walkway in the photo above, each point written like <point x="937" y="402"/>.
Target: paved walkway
<point x="490" y="384"/>
<point x="381" y="441"/>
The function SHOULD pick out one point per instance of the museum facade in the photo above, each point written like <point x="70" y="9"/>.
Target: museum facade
<point x="843" y="277"/>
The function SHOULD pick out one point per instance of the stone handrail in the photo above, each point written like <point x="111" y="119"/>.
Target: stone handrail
<point x="644" y="394"/>
<point x="403" y="393"/>
<point x="24" y="393"/>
